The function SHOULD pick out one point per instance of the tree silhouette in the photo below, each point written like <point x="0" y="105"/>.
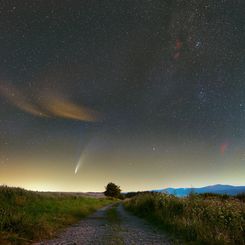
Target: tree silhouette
<point x="112" y="190"/>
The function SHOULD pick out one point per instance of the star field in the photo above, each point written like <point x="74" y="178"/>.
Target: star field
<point x="143" y="93"/>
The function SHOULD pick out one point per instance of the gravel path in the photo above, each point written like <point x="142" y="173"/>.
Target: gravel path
<point x="97" y="229"/>
<point x="137" y="231"/>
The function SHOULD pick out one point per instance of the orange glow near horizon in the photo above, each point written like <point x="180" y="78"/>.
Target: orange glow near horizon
<point x="55" y="172"/>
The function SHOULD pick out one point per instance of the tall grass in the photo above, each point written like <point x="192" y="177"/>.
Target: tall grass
<point x="26" y="216"/>
<point x="202" y="219"/>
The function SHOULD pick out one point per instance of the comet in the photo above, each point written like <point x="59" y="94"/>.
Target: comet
<point x="79" y="163"/>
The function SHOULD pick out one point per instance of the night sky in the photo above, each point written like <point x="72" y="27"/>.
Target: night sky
<point x="146" y="94"/>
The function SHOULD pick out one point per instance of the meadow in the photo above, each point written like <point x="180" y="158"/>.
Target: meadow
<point x="27" y="216"/>
<point x="197" y="219"/>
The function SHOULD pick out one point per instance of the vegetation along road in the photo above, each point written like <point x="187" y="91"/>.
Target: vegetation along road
<point x="110" y="225"/>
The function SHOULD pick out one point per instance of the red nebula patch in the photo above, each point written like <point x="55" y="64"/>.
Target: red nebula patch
<point x="178" y="44"/>
<point x="223" y="148"/>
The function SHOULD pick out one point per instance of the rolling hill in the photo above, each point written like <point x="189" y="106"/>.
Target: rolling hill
<point x="219" y="189"/>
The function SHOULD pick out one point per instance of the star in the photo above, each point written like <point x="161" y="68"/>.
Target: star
<point x="198" y="44"/>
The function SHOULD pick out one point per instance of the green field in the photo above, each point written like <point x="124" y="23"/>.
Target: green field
<point x="27" y="216"/>
<point x="198" y="219"/>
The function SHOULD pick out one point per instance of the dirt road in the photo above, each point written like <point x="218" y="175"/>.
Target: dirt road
<point x="110" y="225"/>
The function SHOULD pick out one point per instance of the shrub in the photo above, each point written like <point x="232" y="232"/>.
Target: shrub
<point x="241" y="196"/>
<point x="199" y="218"/>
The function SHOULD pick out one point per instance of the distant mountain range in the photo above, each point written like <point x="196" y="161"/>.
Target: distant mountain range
<point x="219" y="189"/>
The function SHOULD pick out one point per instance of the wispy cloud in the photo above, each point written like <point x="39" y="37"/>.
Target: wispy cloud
<point x="48" y="106"/>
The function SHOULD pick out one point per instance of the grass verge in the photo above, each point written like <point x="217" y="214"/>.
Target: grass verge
<point x="197" y="219"/>
<point x="115" y="224"/>
<point x="112" y="215"/>
<point x="27" y="216"/>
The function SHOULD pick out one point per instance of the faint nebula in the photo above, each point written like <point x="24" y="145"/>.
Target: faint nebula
<point x="223" y="148"/>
